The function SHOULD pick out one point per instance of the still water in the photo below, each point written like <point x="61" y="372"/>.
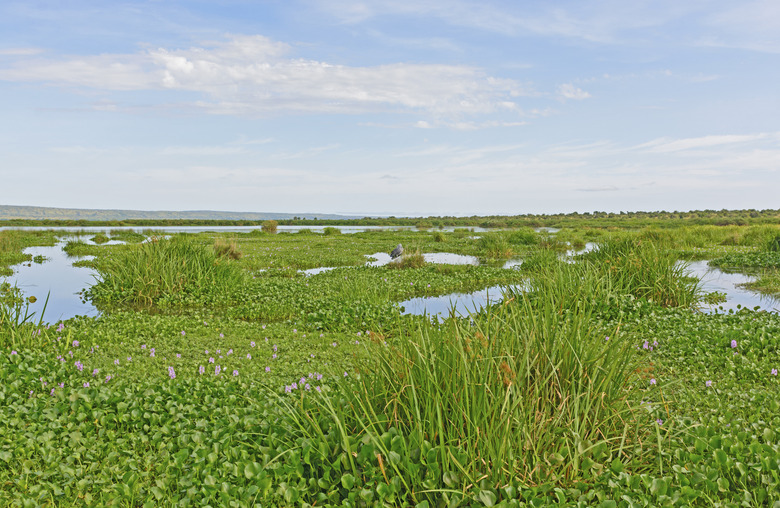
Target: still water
<point x="63" y="283"/>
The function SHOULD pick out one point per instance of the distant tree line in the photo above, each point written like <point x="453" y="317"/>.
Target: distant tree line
<point x="590" y="219"/>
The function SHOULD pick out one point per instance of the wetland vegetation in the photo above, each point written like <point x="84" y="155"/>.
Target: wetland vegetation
<point x="221" y="373"/>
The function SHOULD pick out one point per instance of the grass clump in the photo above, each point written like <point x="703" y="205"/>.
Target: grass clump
<point x="495" y="246"/>
<point x="330" y="231"/>
<point x="640" y="269"/>
<point x="100" y="238"/>
<point x="141" y="275"/>
<point x="521" y="392"/>
<point x="78" y="248"/>
<point x="127" y="235"/>
<point x="228" y="249"/>
<point x="408" y="260"/>
<point x="18" y="326"/>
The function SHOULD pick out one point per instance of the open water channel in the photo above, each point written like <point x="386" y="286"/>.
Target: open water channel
<point x="63" y="284"/>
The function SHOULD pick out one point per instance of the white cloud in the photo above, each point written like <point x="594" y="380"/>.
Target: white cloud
<point x="677" y="145"/>
<point x="254" y="75"/>
<point x="20" y="51"/>
<point x="569" y="91"/>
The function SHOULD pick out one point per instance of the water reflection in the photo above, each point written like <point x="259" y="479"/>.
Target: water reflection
<point x="737" y="296"/>
<point x="460" y="303"/>
<point x="58" y="278"/>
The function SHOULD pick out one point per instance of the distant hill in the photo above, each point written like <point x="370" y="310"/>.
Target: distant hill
<point x="8" y="212"/>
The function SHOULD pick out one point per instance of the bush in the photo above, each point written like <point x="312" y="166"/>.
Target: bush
<point x="269" y="226"/>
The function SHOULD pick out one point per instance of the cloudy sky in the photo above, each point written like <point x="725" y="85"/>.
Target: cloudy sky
<point x="398" y="107"/>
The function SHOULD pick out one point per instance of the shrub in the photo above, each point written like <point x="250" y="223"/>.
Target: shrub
<point x="331" y="231"/>
<point x="269" y="226"/>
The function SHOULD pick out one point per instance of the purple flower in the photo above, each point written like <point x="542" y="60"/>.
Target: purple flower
<point x="75" y="343"/>
<point x="178" y="355"/>
<point x="345" y="373"/>
<point x="268" y="369"/>
<point x="646" y="345"/>
<point x="221" y="335"/>
<point x="211" y="360"/>
<point x="774" y="372"/>
<point x="171" y="372"/>
<point x="294" y="386"/>
<point x="606" y="338"/>
<point x="318" y="388"/>
<point x="252" y="343"/>
<point x="230" y="351"/>
<point x="659" y="421"/>
<point x="217" y="370"/>
<point x="86" y="385"/>
<point x="183" y="333"/>
<point x="61" y="327"/>
<point x="151" y="354"/>
<point x="235" y="372"/>
<point x="62" y="385"/>
<point x="13" y="353"/>
<point x="273" y="356"/>
<point x="79" y="365"/>
<point x="652" y="381"/>
<point x="733" y="343"/>
<point x="52" y="392"/>
<point x="143" y="346"/>
<point x="129" y="358"/>
<point x="708" y="383"/>
<point x="201" y="369"/>
<point x="95" y="372"/>
<point x="288" y="389"/>
<point x="248" y="356"/>
<point x="109" y="378"/>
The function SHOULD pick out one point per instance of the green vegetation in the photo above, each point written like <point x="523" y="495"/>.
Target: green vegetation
<point x="13" y="242"/>
<point x="270" y="226"/>
<point x="219" y="373"/>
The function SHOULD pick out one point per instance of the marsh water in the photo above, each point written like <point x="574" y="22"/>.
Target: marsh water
<point x="63" y="283"/>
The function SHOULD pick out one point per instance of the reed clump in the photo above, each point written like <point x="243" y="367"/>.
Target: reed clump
<point x="523" y="391"/>
<point x="227" y="249"/>
<point x="408" y="260"/>
<point x="140" y="275"/>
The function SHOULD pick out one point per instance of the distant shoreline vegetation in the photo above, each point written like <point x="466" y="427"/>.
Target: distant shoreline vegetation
<point x="592" y="219"/>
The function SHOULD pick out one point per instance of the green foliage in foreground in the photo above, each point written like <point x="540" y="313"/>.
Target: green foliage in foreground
<point x="230" y="396"/>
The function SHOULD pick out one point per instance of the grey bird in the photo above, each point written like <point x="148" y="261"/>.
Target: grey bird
<point x="397" y="251"/>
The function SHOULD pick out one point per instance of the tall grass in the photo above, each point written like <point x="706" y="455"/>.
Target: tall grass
<point x="639" y="268"/>
<point x="140" y="275"/>
<point x="18" y="325"/>
<point x="523" y="392"/>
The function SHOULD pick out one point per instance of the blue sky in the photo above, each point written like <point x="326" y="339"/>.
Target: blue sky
<point x="391" y="107"/>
